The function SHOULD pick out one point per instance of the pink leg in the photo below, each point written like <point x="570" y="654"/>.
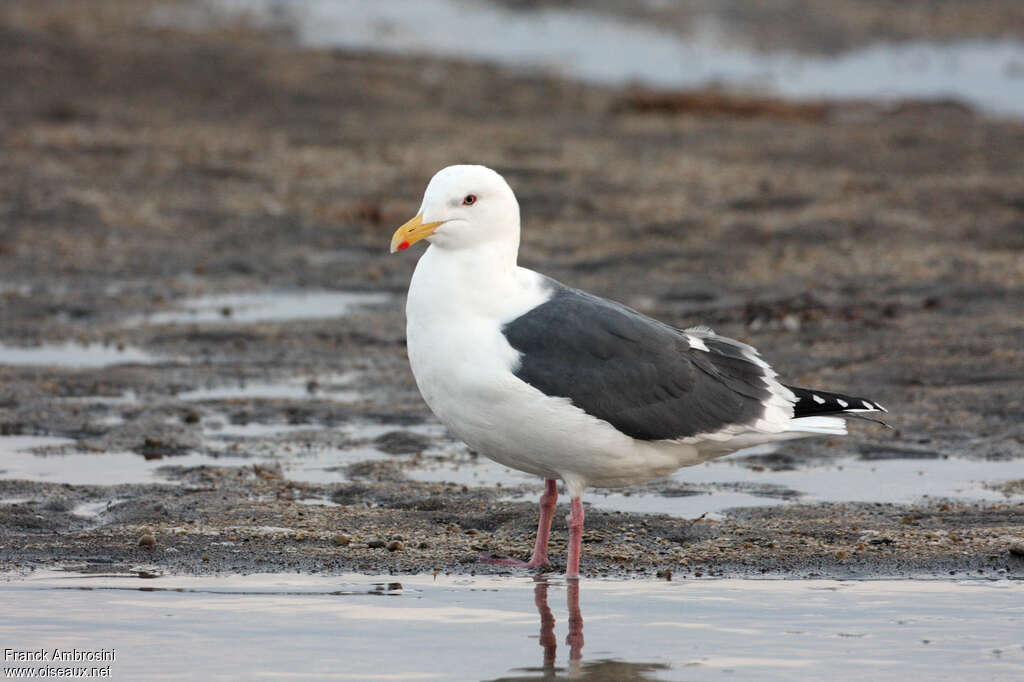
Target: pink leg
<point x="572" y="567"/>
<point x="540" y="548"/>
<point x="547" y="512"/>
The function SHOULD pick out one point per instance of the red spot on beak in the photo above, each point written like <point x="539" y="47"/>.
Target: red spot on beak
<point x="403" y="246"/>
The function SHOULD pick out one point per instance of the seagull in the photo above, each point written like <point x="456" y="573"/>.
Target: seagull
<point x="568" y="386"/>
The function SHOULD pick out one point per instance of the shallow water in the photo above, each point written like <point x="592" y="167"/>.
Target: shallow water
<point x="604" y="49"/>
<point x="267" y="306"/>
<point x="74" y="355"/>
<point x="333" y="387"/>
<point x="899" y="481"/>
<point x="9" y="444"/>
<point x="726" y="483"/>
<point x="298" y="461"/>
<point x="108" y="468"/>
<point x="116" y="468"/>
<point x="710" y="488"/>
<point x="444" y="628"/>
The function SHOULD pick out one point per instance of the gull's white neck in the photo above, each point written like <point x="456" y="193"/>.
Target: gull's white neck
<point x="483" y="280"/>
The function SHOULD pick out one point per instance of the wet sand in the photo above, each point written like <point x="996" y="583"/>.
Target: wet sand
<point x="873" y="249"/>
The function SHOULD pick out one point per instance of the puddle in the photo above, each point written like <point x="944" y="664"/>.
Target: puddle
<point x="74" y="355"/>
<point x="91" y="510"/>
<point x="13" y="444"/>
<point x="299" y="460"/>
<point x="724" y="484"/>
<point x="110" y="468"/>
<point x="710" y="488"/>
<point x="849" y="480"/>
<point x="599" y="48"/>
<point x="223" y="429"/>
<point x="427" y="628"/>
<point x="129" y="397"/>
<point x="454" y="465"/>
<point x="372" y="430"/>
<point x="220" y="427"/>
<point x="329" y="466"/>
<point x="318" y="502"/>
<point x="334" y="387"/>
<point x="115" y="468"/>
<point x="272" y="306"/>
<point x="325" y="465"/>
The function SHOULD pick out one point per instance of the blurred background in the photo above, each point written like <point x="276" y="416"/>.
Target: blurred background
<point x="196" y="200"/>
<point x="202" y="336"/>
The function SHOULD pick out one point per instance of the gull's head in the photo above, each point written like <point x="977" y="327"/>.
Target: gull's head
<point x="463" y="207"/>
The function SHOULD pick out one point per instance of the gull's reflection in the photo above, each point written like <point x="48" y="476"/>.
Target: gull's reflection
<point x="547" y="623"/>
<point x="575" y="637"/>
<point x="594" y="671"/>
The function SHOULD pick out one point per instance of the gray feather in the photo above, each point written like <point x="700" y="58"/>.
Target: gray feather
<point x="638" y="374"/>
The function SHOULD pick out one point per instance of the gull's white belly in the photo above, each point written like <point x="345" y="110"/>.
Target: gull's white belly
<point x="464" y="368"/>
<point x="465" y="375"/>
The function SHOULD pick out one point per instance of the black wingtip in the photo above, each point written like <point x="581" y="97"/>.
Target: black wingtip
<point x="811" y="403"/>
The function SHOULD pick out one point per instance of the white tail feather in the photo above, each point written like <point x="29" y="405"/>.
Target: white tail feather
<point x="833" y="426"/>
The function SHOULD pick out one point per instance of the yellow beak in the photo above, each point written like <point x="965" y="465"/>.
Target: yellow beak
<point x="412" y="232"/>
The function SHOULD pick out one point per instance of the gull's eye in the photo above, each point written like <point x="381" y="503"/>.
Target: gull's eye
<point x="469" y="200"/>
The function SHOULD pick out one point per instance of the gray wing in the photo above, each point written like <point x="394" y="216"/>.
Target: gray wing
<point x="647" y="379"/>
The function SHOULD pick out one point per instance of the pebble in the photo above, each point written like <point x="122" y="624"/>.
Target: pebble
<point x="147" y="540"/>
<point x="1017" y="550"/>
<point x="340" y="540"/>
<point x="395" y="546"/>
<point x="375" y="544"/>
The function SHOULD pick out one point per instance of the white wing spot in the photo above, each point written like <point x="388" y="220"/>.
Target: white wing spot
<point x="818" y="399"/>
<point x="868" y="405"/>
<point x="696" y="343"/>
<point x="842" y="403"/>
